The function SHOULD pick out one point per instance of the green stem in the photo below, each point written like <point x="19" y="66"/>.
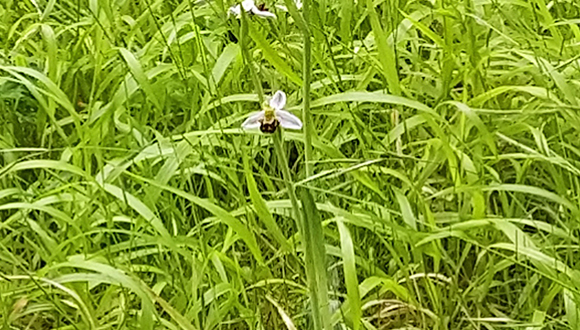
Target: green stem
<point x="303" y="23"/>
<point x="248" y="58"/>
<point x="287" y="177"/>
<point x="307" y="69"/>
<point x="303" y="229"/>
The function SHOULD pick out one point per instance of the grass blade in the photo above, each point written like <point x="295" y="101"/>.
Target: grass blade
<point x="350" y="275"/>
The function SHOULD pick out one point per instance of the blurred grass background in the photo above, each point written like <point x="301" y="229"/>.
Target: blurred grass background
<point x="443" y="187"/>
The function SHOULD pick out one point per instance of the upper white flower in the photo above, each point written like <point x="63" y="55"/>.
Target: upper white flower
<point x="250" y="6"/>
<point x="273" y="115"/>
<point x="284" y="8"/>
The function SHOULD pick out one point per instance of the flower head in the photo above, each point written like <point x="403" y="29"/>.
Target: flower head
<point x="273" y="116"/>
<point x="250" y="7"/>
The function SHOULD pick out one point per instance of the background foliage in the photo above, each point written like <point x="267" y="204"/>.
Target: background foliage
<point x="446" y="158"/>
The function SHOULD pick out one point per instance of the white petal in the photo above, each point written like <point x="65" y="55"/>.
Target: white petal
<point x="278" y="101"/>
<point x="288" y="120"/>
<point x="236" y="10"/>
<point x="253" y="121"/>
<point x="298" y="4"/>
<point x="261" y="13"/>
<point x="248" y="5"/>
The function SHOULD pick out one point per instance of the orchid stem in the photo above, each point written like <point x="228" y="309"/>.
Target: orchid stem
<point x="248" y="58"/>
<point x="287" y="177"/>
<point x="300" y="219"/>
<point x="306" y="67"/>
<point x="304" y="25"/>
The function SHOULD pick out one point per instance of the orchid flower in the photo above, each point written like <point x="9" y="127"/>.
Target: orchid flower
<point x="250" y="7"/>
<point x="273" y="116"/>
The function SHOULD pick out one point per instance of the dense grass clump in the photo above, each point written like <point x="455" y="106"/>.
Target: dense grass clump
<point x="435" y="183"/>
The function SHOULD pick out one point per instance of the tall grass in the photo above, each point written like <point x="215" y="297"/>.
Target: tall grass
<point x="436" y="184"/>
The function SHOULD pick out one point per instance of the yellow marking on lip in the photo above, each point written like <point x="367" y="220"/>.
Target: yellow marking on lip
<point x="268" y="114"/>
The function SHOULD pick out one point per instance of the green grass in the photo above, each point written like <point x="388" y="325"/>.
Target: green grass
<point x="435" y="185"/>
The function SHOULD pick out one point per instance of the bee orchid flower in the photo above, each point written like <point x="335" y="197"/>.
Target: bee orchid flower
<point x="250" y="7"/>
<point x="273" y="116"/>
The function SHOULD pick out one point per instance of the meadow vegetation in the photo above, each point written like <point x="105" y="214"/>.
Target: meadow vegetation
<point x="435" y="183"/>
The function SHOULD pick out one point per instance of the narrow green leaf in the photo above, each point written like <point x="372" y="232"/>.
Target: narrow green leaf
<point x="109" y="274"/>
<point x="346" y="12"/>
<point x="272" y="56"/>
<point x="372" y="97"/>
<point x="572" y="311"/>
<point x="536" y="255"/>
<point x="534" y="191"/>
<point x="137" y="71"/>
<point x="224" y="60"/>
<point x="472" y="115"/>
<point x="316" y="259"/>
<point x="223" y="215"/>
<point x="52" y="48"/>
<point x="283" y="314"/>
<point x="386" y="52"/>
<point x="350" y="276"/>
<point x="560" y="80"/>
<point x="48" y="9"/>
<point x="406" y="210"/>
<point x="42" y="164"/>
<point x="261" y="207"/>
